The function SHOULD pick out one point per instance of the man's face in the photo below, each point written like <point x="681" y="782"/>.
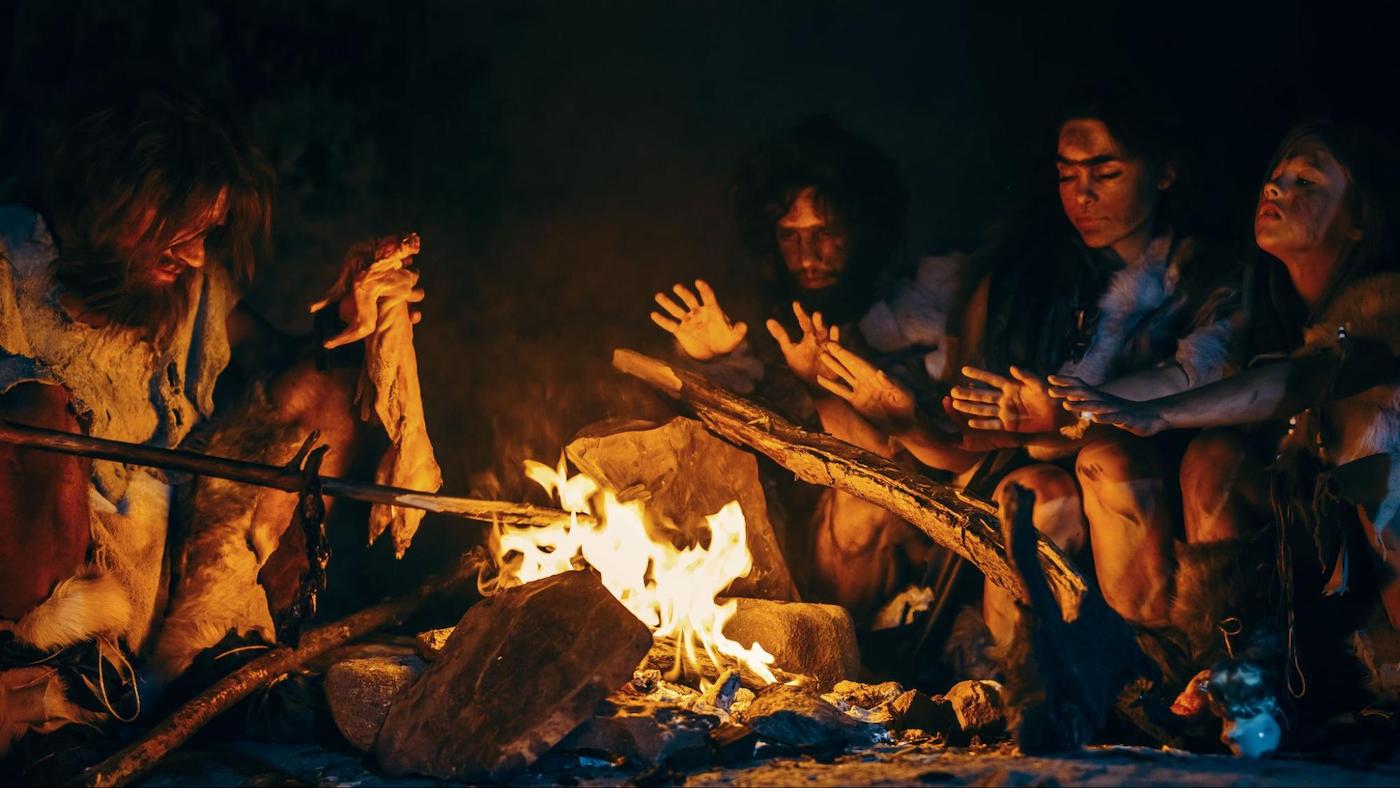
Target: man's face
<point x="812" y="242"/>
<point x="1302" y="212"/>
<point x="186" y="251"/>
<point x="1108" y="195"/>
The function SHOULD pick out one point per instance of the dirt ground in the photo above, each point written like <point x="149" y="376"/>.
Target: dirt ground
<point x="248" y="763"/>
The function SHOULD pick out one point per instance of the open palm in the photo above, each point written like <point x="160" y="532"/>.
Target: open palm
<point x="701" y="327"/>
<point x="1020" y="403"/>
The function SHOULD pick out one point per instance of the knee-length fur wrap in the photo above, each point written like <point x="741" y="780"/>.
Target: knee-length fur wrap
<point x="215" y="587"/>
<point x="1225" y="601"/>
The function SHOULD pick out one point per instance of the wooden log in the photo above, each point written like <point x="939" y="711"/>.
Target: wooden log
<point x="957" y="521"/>
<point x="129" y="764"/>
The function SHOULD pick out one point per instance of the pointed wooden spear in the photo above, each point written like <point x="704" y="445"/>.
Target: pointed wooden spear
<point x="286" y="478"/>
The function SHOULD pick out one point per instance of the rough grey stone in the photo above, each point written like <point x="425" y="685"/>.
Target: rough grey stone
<point x="521" y="670"/>
<point x="797" y="717"/>
<point x="647" y="734"/>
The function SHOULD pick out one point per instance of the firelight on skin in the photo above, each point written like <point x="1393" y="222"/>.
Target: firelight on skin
<point x="1302" y="220"/>
<point x="1108" y="194"/>
<point x="812" y="242"/>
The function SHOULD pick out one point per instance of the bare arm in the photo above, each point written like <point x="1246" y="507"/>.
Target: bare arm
<point x="1269" y="391"/>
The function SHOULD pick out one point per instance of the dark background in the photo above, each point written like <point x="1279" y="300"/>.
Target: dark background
<point x="563" y="160"/>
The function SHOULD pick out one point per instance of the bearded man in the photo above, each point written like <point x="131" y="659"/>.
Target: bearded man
<point x="824" y="212"/>
<point x="119" y="313"/>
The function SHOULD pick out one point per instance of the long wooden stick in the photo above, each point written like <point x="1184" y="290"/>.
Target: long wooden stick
<point x="278" y="478"/>
<point x="959" y="522"/>
<point x="176" y="729"/>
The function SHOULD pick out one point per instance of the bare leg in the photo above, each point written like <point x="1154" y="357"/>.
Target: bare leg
<point x="1223" y="489"/>
<point x="1058" y="514"/>
<point x="858" y="558"/>
<point x="1129" y="524"/>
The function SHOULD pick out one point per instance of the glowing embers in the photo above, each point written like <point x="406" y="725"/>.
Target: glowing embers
<point x="671" y="590"/>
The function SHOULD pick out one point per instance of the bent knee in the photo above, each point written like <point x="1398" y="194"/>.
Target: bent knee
<point x="1209" y="458"/>
<point x="1058" y="511"/>
<point x="1116" y="459"/>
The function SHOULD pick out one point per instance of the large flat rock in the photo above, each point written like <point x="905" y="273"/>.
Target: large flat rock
<point x="688" y="474"/>
<point x="520" y="671"/>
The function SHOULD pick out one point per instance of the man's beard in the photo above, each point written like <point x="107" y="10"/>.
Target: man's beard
<point x="118" y="293"/>
<point x="845" y="301"/>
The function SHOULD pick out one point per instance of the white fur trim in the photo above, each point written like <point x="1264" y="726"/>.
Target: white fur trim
<point x="79" y="609"/>
<point x="1132" y="294"/>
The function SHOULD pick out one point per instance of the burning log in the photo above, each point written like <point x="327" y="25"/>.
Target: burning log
<point x="135" y="760"/>
<point x="521" y="670"/>
<point x="956" y="521"/>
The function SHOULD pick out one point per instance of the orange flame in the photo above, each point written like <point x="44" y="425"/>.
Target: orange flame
<point x="670" y="590"/>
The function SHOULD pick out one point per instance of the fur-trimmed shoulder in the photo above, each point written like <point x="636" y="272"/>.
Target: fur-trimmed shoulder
<point x="1368" y="308"/>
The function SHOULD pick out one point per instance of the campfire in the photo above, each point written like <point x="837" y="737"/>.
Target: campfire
<point x="673" y="591"/>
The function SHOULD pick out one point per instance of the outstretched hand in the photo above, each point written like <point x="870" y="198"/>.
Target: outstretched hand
<point x="1093" y="404"/>
<point x="803" y="355"/>
<point x="873" y="394"/>
<point x="374" y="278"/>
<point x="701" y="327"/>
<point x="1021" y="403"/>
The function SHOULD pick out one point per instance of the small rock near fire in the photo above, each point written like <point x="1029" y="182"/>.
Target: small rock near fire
<point x="431" y="643"/>
<point x="978" y="706"/>
<point x="798" y="717"/>
<point x="359" y="692"/>
<point x="805" y="638"/>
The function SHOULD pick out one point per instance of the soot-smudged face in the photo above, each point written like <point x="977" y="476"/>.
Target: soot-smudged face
<point x="1302" y="211"/>
<point x="1107" y="193"/>
<point x="813" y="242"/>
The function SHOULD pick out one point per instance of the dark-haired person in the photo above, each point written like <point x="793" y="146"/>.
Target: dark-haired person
<point x="1115" y="290"/>
<point x="825" y="212"/>
<point x="1326" y="329"/>
<point x="119" y="313"/>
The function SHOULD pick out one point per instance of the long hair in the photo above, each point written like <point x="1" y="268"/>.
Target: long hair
<point x="128" y="178"/>
<point x="854" y="183"/>
<point x="1044" y="285"/>
<point x="1278" y="315"/>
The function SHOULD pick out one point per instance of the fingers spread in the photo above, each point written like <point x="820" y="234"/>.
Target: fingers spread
<point x="983" y="376"/>
<point x="818" y="325"/>
<point x="741" y="330"/>
<point x="974" y="408"/>
<point x="667" y="324"/>
<point x="352" y="334"/>
<point x="803" y="321"/>
<point x="835" y="333"/>
<point x="837" y="369"/>
<point x="687" y="296"/>
<point x="836" y="388"/>
<point x="672" y="308"/>
<point x="972" y="394"/>
<point x="984" y="424"/>
<point x="780" y="334"/>
<point x="1028" y="378"/>
<point x="707" y="294"/>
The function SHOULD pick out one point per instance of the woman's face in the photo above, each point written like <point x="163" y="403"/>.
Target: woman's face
<point x="1108" y="194"/>
<point x="1302" y="214"/>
